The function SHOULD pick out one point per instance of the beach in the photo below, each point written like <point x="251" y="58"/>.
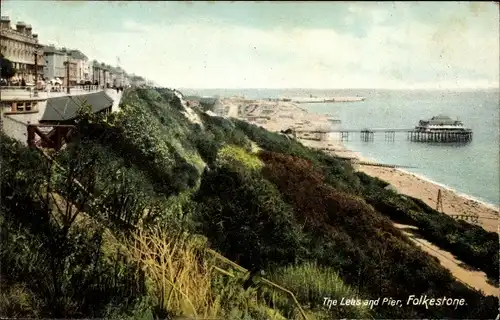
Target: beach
<point x="280" y="115"/>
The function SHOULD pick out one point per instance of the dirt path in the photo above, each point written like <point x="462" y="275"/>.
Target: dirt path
<point x="475" y="279"/>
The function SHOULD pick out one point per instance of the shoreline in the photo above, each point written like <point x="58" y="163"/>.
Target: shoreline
<point x="482" y="202"/>
<point x="448" y="188"/>
<point x="285" y="115"/>
<point x="419" y="186"/>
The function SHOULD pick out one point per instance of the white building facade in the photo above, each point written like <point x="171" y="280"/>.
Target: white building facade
<point x="55" y="65"/>
<point x="82" y="66"/>
<point x="20" y="45"/>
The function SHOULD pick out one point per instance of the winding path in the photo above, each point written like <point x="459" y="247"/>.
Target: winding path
<point x="475" y="279"/>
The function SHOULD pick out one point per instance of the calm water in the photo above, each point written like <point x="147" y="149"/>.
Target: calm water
<point x="471" y="169"/>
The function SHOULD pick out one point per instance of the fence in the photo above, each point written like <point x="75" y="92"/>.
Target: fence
<point x="11" y="92"/>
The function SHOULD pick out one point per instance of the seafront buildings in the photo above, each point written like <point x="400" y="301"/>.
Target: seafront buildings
<point x="60" y="71"/>
<point x="55" y="65"/>
<point x="21" y="46"/>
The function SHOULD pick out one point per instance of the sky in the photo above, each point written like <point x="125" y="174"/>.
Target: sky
<point x="421" y="45"/>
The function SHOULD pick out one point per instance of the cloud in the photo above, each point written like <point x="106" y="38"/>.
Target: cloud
<point x="133" y="26"/>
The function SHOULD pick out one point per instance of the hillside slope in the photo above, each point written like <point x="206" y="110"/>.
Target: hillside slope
<point x="166" y="182"/>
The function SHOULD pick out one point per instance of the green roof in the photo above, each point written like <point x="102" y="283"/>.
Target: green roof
<point x="67" y="107"/>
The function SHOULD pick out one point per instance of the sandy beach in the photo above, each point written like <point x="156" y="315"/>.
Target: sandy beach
<point x="412" y="185"/>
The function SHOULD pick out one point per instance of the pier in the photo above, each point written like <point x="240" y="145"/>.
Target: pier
<point x="419" y="136"/>
<point x="327" y="100"/>
<point x="368" y="135"/>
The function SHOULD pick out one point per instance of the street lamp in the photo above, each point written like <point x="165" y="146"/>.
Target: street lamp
<point x="66" y="63"/>
<point x="35" y="93"/>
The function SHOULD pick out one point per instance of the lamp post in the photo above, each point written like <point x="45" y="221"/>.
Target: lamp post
<point x="35" y="93"/>
<point x="67" y="75"/>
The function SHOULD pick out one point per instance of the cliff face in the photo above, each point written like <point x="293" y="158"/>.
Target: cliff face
<point x="260" y="199"/>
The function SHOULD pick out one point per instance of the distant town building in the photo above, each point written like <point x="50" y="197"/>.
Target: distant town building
<point x="19" y="45"/>
<point x="55" y="65"/>
<point x="82" y="66"/>
<point x="137" y="80"/>
<point x="112" y="76"/>
<point x="119" y="80"/>
<point x="97" y="71"/>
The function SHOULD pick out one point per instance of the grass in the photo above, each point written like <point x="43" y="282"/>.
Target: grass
<point x="183" y="281"/>
<point x="312" y="283"/>
<point x="231" y="153"/>
<point x="179" y="279"/>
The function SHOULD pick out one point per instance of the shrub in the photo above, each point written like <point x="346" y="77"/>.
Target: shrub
<point x="312" y="283"/>
<point x="470" y="243"/>
<point x="348" y="235"/>
<point x="231" y="154"/>
<point x="244" y="217"/>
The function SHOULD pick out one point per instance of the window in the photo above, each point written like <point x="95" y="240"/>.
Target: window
<point x="28" y="106"/>
<point x="20" y="106"/>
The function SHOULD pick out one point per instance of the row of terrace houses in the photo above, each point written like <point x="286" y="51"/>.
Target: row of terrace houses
<point x="69" y="67"/>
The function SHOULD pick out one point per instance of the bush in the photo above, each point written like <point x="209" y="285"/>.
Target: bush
<point x="311" y="284"/>
<point x="381" y="262"/>
<point x="244" y="217"/>
<point x="470" y="243"/>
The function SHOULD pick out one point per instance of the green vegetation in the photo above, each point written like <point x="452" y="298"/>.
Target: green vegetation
<point x="471" y="243"/>
<point x="119" y="225"/>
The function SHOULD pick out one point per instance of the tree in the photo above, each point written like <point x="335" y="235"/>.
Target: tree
<point x="8" y="70"/>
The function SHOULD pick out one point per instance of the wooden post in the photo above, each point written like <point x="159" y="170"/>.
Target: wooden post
<point x="35" y="92"/>
<point x="439" y="204"/>
<point x="67" y="75"/>
<point x="31" y="136"/>
<point x="57" y="142"/>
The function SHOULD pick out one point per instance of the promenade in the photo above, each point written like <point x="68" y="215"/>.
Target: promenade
<point x="17" y="93"/>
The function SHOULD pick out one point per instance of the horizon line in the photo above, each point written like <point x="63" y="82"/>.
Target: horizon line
<point x="332" y="88"/>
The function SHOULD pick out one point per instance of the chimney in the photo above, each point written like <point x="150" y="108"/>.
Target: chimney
<point x="20" y="27"/>
<point x="5" y="22"/>
<point x="28" y="30"/>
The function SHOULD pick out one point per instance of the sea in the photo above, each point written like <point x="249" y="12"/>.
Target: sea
<point x="470" y="169"/>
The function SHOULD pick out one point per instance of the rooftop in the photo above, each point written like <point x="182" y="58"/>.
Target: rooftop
<point x="66" y="108"/>
<point x="77" y="54"/>
<point x="441" y="117"/>
<point x="53" y="49"/>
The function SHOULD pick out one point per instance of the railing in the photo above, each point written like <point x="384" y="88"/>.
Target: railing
<point x="264" y="280"/>
<point x="11" y="92"/>
<point x="54" y="139"/>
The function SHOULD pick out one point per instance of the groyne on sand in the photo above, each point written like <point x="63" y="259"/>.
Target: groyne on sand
<point x="324" y="100"/>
